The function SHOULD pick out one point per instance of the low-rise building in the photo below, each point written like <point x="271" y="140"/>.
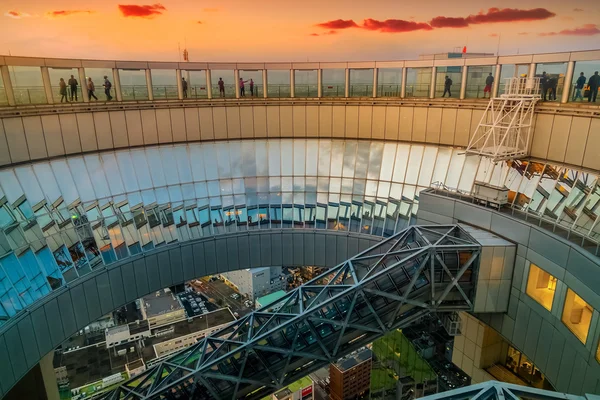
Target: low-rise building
<point x="161" y="308"/>
<point x="350" y="376"/>
<point x="122" y="334"/>
<point x="263" y="301"/>
<point x="257" y="282"/>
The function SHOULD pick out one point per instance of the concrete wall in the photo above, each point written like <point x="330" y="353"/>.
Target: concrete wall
<point x="25" y="339"/>
<point x="47" y="134"/>
<point x="540" y="334"/>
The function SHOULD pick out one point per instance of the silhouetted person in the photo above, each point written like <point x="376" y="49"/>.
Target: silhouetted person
<point x="489" y="81"/>
<point x="544" y="84"/>
<point x="91" y="89"/>
<point x="447" y="86"/>
<point x="221" y="87"/>
<point x="107" y="85"/>
<point x="184" y="86"/>
<point x="552" y="85"/>
<point x="593" y="83"/>
<point x="242" y="90"/>
<point x="251" y="88"/>
<point x="63" y="90"/>
<point x="73" y="84"/>
<point x="579" y="87"/>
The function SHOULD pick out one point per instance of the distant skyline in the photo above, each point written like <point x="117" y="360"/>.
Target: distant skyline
<point x="286" y="30"/>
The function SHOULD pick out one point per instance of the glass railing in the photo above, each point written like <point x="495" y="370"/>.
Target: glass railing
<point x="278" y="90"/>
<point x="76" y="97"/>
<point x="30" y="95"/>
<point x="3" y="99"/>
<point x="333" y="90"/>
<point x="132" y="92"/>
<point x="389" y="90"/>
<point x="165" y="92"/>
<point x="417" y="90"/>
<point x="228" y="91"/>
<point x="306" y="91"/>
<point x="360" y="90"/>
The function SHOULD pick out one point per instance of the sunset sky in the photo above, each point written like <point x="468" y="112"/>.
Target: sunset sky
<point x="286" y="30"/>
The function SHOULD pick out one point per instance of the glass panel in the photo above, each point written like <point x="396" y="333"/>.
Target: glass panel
<point x="3" y="98"/>
<point x="389" y="82"/>
<point x="333" y="82"/>
<point x="580" y="87"/>
<point x="96" y="82"/>
<point x="305" y="83"/>
<point x="133" y="84"/>
<point x="577" y="315"/>
<point x="541" y="286"/>
<point x="418" y="81"/>
<point x="552" y="79"/>
<point x="252" y="83"/>
<point x="27" y="84"/>
<point x="511" y="71"/>
<point x="65" y="84"/>
<point x="194" y="84"/>
<point x="278" y="83"/>
<point x="448" y="80"/>
<point x="223" y="83"/>
<point x="480" y="81"/>
<point x="164" y="83"/>
<point x="361" y="83"/>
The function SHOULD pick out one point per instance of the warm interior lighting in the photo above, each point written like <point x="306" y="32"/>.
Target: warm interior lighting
<point x="541" y="286"/>
<point x="577" y="315"/>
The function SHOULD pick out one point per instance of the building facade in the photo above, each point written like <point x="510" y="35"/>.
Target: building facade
<point x="257" y="282"/>
<point x="350" y="377"/>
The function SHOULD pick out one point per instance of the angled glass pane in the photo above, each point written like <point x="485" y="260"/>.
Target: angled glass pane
<point x="133" y="84"/>
<point x="27" y="85"/>
<point x="389" y="82"/>
<point x="333" y="82"/>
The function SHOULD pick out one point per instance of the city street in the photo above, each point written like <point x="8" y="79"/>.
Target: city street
<point x="218" y="291"/>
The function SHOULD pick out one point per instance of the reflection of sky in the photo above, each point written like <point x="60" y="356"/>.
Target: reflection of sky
<point x="271" y="30"/>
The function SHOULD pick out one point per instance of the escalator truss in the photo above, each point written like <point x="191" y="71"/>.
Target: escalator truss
<point x="419" y="270"/>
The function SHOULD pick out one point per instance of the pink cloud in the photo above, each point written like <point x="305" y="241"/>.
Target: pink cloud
<point x="584" y="30"/>
<point x="492" y="15"/>
<point x="145" y="11"/>
<point x="449" y="22"/>
<point x="523" y="33"/>
<point x="394" y="25"/>
<point x="66" y="13"/>
<point x="16" y="14"/>
<point x="338" y="24"/>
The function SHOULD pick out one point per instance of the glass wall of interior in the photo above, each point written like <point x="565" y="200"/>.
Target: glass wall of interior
<point x="524" y="368"/>
<point x="94" y="78"/>
<point x="27" y="85"/>
<point x="447" y="81"/>
<point x="588" y="69"/>
<point x="306" y="83"/>
<point x="133" y="84"/>
<point x="418" y="81"/>
<point x="223" y="83"/>
<point x="389" y="82"/>
<point x="196" y="84"/>
<point x="552" y="86"/>
<point x="70" y="79"/>
<point x="477" y="77"/>
<point x="253" y="82"/>
<point x="511" y="71"/>
<point x="361" y="83"/>
<point x="577" y="315"/>
<point x="541" y="286"/>
<point x="333" y="82"/>
<point x="164" y="83"/>
<point x="3" y="98"/>
<point x="278" y="83"/>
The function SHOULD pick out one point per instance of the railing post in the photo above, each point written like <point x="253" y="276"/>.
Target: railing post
<point x="375" y="70"/>
<point x="463" y="83"/>
<point x="497" y="74"/>
<point x="292" y="83"/>
<point x="117" y="84"/>
<point x="319" y="83"/>
<point x="149" y="84"/>
<point x="178" y="76"/>
<point x="403" y="83"/>
<point x="236" y="78"/>
<point x="83" y="85"/>
<point x="208" y="84"/>
<point x="47" y="85"/>
<point x="347" y="83"/>
<point x="566" y="94"/>
<point x="10" y="93"/>
<point x="265" y="78"/>
<point x="432" y="87"/>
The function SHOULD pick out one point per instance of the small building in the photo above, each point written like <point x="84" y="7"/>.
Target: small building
<point x="122" y="334"/>
<point x="135" y="368"/>
<point x="257" y="282"/>
<point x="303" y="389"/>
<point x="350" y="376"/>
<point x="268" y="299"/>
<point x="161" y="308"/>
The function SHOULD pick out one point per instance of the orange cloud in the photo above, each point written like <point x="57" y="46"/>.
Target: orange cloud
<point x="493" y="15"/>
<point x="145" y="11"/>
<point x="199" y="22"/>
<point x="16" y="14"/>
<point x="66" y="13"/>
<point x="394" y="25"/>
<point x="493" y="35"/>
<point x="338" y="24"/>
<point x="584" y="30"/>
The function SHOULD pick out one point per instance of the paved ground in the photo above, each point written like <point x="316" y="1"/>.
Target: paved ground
<point x="221" y="293"/>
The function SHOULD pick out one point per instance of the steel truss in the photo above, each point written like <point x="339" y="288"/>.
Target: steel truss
<point x="504" y="130"/>
<point x="494" y="390"/>
<point x="417" y="271"/>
